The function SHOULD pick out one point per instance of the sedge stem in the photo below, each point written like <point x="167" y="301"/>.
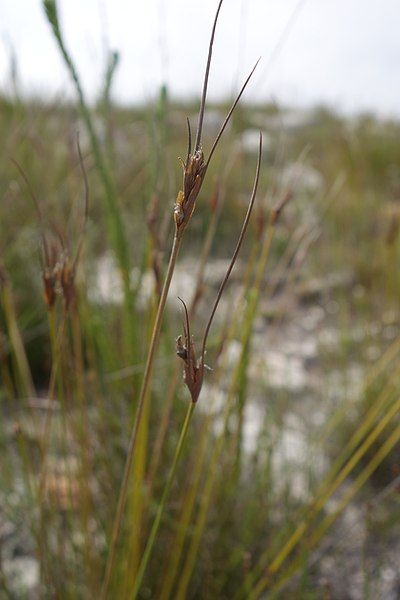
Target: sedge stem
<point x="139" y="411"/>
<point x="160" y="510"/>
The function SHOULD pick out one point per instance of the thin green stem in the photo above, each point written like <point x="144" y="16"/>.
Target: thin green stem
<point x="157" y="520"/>
<point x="139" y="411"/>
<point x="188" y="504"/>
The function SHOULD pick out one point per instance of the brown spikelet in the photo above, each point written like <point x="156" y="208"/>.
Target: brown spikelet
<point x="50" y="251"/>
<point x="193" y="371"/>
<point x="193" y="175"/>
<point x="58" y="268"/>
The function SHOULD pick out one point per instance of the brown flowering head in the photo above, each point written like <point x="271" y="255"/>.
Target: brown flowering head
<point x="58" y="269"/>
<point x="51" y="249"/>
<point x="193" y="173"/>
<point x="193" y="370"/>
<point x="194" y="170"/>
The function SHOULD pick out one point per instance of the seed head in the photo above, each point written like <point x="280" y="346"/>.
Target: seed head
<point x="193" y="371"/>
<point x="194" y="170"/>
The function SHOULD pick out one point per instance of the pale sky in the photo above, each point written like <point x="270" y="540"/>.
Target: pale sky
<point x="345" y="53"/>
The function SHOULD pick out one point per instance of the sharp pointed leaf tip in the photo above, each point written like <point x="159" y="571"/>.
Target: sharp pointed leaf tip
<point x="229" y="115"/>
<point x="206" y="78"/>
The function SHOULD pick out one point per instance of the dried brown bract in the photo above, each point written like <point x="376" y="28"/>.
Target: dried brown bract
<point x="194" y="170"/>
<point x="193" y="371"/>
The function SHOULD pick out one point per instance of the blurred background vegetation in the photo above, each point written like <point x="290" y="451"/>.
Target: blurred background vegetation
<point x="288" y="485"/>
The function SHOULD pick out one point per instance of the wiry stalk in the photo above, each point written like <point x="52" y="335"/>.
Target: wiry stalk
<point x="160" y="510"/>
<point x="230" y="113"/>
<point x="237" y="249"/>
<point x="206" y="77"/>
<point x="143" y="392"/>
<point x="188" y="503"/>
